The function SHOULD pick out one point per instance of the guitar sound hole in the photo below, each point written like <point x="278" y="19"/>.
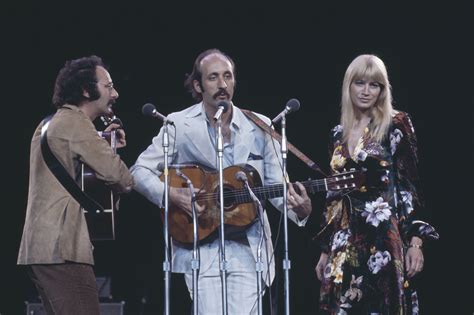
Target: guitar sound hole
<point x="229" y="198"/>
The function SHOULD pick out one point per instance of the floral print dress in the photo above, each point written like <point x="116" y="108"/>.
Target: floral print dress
<point x="366" y="232"/>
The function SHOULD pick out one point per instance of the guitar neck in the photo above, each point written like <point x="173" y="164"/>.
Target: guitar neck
<point x="276" y="190"/>
<point x="266" y="192"/>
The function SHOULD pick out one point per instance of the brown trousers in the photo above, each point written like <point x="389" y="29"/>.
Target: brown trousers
<point x="68" y="288"/>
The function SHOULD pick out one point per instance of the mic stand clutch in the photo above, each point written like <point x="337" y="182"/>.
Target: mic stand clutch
<point x="222" y="262"/>
<point x="286" y="261"/>
<point x="195" y="262"/>
<point x="166" y="263"/>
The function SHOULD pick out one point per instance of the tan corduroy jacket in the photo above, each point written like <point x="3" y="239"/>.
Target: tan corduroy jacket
<point x="55" y="228"/>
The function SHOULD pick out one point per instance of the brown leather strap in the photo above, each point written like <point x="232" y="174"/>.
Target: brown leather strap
<point x="251" y="115"/>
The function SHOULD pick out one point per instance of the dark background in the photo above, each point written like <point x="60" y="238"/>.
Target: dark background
<point x="281" y="52"/>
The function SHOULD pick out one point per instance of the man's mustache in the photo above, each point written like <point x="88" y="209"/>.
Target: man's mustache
<point x="220" y="93"/>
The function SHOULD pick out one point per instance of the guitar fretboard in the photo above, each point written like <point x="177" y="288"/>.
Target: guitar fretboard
<point x="264" y="192"/>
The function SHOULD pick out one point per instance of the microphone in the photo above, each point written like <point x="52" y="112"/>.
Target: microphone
<point x="150" y="110"/>
<point x="186" y="178"/>
<point x="190" y="185"/>
<point x="291" y="106"/>
<point x="241" y="176"/>
<point x="223" y="107"/>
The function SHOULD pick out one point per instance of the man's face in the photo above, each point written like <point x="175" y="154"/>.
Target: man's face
<point x="218" y="80"/>
<point x="107" y="92"/>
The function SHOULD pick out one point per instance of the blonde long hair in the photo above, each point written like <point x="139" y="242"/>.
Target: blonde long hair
<point x="369" y="67"/>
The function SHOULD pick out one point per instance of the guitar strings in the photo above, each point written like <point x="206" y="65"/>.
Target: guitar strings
<point x="272" y="190"/>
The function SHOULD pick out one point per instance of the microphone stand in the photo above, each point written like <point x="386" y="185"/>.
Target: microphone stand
<point x="286" y="261"/>
<point x="222" y="262"/>
<point x="195" y="262"/>
<point x="259" y="263"/>
<point x="166" y="263"/>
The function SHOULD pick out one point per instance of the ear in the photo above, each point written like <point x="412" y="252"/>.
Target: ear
<point x="197" y="86"/>
<point x="85" y="94"/>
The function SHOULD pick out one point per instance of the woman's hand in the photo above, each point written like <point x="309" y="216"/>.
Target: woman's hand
<point x="323" y="261"/>
<point x="414" y="257"/>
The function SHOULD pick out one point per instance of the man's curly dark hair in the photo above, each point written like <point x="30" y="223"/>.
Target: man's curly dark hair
<point x="74" y="78"/>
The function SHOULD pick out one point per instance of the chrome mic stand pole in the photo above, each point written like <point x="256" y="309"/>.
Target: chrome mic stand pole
<point x="195" y="262"/>
<point x="223" y="262"/>
<point x="259" y="263"/>
<point x="166" y="263"/>
<point x="286" y="261"/>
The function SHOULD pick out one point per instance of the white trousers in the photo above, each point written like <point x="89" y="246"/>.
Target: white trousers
<point x="242" y="297"/>
<point x="241" y="293"/>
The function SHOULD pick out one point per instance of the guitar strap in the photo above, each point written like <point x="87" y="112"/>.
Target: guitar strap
<point x="259" y="122"/>
<point x="63" y="176"/>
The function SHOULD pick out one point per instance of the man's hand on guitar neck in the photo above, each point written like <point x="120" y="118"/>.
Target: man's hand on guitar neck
<point x="299" y="203"/>
<point x="119" y="133"/>
<point x="181" y="197"/>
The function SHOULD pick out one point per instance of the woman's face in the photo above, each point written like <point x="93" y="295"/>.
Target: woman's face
<point x="364" y="93"/>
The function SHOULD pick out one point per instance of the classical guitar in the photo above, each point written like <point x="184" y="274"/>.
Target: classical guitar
<point x="101" y="225"/>
<point x="240" y="211"/>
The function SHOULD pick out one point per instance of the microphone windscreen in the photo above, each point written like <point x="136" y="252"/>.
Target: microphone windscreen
<point x="241" y="176"/>
<point x="293" y="105"/>
<point x="225" y="106"/>
<point x="148" y="109"/>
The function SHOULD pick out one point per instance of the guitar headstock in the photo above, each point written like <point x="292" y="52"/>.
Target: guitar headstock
<point x="347" y="180"/>
<point x="110" y="118"/>
<point x="373" y="173"/>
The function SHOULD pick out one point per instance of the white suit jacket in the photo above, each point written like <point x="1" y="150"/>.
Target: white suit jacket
<point x="251" y="145"/>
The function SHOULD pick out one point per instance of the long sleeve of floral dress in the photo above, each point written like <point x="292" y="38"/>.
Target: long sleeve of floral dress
<point x="403" y="146"/>
<point x="365" y="232"/>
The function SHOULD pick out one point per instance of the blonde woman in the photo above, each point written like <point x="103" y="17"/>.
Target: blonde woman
<point x="372" y="239"/>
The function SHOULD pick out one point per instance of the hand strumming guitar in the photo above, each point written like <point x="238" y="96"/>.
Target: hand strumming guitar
<point x="181" y="197"/>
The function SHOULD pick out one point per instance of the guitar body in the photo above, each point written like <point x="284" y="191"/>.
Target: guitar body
<point x="239" y="212"/>
<point x="239" y="208"/>
<point x="101" y="225"/>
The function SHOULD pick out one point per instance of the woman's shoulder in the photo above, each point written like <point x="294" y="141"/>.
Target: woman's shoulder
<point x="399" y="115"/>
<point x="402" y="121"/>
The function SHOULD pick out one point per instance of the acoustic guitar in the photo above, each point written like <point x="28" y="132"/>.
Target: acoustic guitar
<point x="101" y="224"/>
<point x="240" y="210"/>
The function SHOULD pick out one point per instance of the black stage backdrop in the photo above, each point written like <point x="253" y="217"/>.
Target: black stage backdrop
<point x="281" y="52"/>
